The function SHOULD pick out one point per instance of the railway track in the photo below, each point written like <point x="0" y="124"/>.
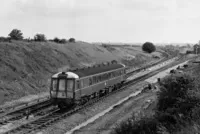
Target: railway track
<point x="34" y="107"/>
<point x="57" y="114"/>
<point x="19" y="113"/>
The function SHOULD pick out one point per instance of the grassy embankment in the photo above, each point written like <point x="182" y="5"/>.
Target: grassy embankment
<point x="26" y="67"/>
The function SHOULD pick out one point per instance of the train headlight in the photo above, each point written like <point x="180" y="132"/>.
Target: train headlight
<point x="61" y="95"/>
<point x="53" y="94"/>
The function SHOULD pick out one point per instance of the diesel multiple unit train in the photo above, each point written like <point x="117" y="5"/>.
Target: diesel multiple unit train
<point x="80" y="85"/>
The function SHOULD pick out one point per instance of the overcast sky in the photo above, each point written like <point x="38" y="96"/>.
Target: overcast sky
<point x="104" y="20"/>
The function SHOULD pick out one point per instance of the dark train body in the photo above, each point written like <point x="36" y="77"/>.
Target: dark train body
<point x="80" y="85"/>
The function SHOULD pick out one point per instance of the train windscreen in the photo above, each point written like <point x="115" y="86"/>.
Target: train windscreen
<point x="54" y="84"/>
<point x="61" y="84"/>
<point x="70" y="84"/>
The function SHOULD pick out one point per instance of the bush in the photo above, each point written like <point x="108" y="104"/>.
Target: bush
<point x="4" y="39"/>
<point x="146" y="125"/>
<point x="148" y="47"/>
<point x="72" y="40"/>
<point x="57" y="40"/>
<point x="63" y="41"/>
<point x="173" y="90"/>
<point x="16" y="34"/>
<point x="189" y="52"/>
<point x="114" y="62"/>
<point x="39" y="37"/>
<point x="28" y="39"/>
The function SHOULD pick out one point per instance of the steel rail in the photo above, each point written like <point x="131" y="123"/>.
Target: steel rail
<point x="52" y="117"/>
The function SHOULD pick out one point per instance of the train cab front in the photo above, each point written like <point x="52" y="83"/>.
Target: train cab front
<point x="62" y="90"/>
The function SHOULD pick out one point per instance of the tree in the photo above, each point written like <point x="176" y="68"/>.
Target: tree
<point x="63" y="41"/>
<point x="177" y="94"/>
<point x="16" y="34"/>
<point x="57" y="40"/>
<point x="4" y="39"/>
<point x="39" y="37"/>
<point x="72" y="40"/>
<point x="114" y="62"/>
<point x="148" y="47"/>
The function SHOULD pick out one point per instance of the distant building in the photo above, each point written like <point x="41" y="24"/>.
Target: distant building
<point x="197" y="48"/>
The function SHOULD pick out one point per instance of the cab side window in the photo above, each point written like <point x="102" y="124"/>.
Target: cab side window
<point x="78" y="84"/>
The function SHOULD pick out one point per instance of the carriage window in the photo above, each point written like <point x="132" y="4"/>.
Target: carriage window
<point x="93" y="79"/>
<point x="81" y="84"/>
<point x="78" y="85"/>
<point x="70" y="85"/>
<point x="86" y="82"/>
<point x="109" y="75"/>
<point x="113" y="74"/>
<point x="99" y="78"/>
<point x="62" y="85"/>
<point x="54" y="84"/>
<point x="103" y="77"/>
<point x="106" y="76"/>
<point x="90" y="81"/>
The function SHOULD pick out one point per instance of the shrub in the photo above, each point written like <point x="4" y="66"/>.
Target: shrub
<point x="146" y="125"/>
<point x="72" y="40"/>
<point x="173" y="89"/>
<point x="63" y="41"/>
<point x="4" y="39"/>
<point x="114" y="62"/>
<point x="39" y="37"/>
<point x="57" y="40"/>
<point x="16" y="34"/>
<point x="189" y="52"/>
<point x="148" y="47"/>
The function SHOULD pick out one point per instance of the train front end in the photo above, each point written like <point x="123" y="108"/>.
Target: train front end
<point x="62" y="89"/>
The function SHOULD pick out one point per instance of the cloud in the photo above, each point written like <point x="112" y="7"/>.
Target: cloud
<point x="145" y="5"/>
<point x="103" y="19"/>
<point x="57" y="8"/>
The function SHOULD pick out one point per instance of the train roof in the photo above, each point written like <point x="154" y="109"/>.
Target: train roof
<point x="69" y="75"/>
<point x="96" y="69"/>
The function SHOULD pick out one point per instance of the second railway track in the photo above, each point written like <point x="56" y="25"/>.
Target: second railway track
<point x="57" y="114"/>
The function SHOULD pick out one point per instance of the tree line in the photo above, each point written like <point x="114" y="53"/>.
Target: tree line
<point x="16" y="34"/>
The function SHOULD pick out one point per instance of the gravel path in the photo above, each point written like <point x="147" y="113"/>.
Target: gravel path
<point x="106" y="123"/>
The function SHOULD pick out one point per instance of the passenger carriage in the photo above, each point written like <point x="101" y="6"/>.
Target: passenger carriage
<point x="80" y="85"/>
